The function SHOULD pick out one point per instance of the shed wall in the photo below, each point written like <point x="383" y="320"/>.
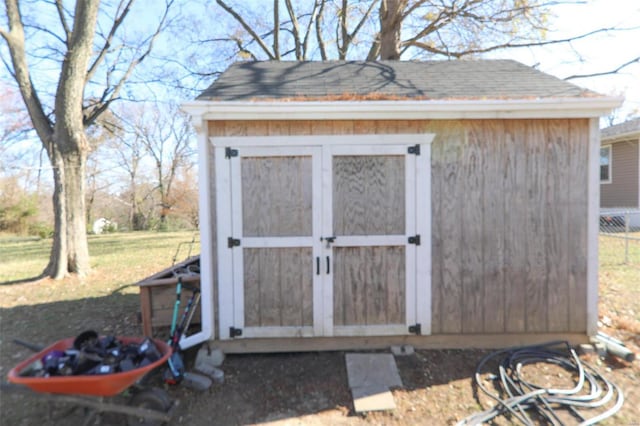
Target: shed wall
<point x="625" y="176"/>
<point x="509" y="217"/>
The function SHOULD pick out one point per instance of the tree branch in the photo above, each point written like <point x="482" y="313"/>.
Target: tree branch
<point x="107" y="43"/>
<point x="307" y="34"/>
<point x="276" y="28"/>
<point x="91" y="116"/>
<point x="321" y="43"/>
<point x="295" y="30"/>
<point x="63" y="20"/>
<point x="247" y="28"/>
<point x="599" y="74"/>
<point x="16" y="43"/>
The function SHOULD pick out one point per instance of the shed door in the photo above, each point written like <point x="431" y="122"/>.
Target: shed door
<point x="275" y="196"/>
<point x="322" y="238"/>
<point x="369" y="215"/>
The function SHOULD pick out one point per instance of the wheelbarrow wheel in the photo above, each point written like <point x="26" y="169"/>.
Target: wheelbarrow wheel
<point x="151" y="399"/>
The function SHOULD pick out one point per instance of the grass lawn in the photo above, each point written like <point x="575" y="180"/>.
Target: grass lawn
<point x="116" y="259"/>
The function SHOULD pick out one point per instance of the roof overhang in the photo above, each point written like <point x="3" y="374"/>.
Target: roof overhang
<point x="589" y="107"/>
<point x="621" y="137"/>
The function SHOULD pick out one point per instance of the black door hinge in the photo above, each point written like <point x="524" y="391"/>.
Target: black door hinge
<point x="235" y="332"/>
<point x="415" y="329"/>
<point x="414" y="150"/>
<point x="232" y="242"/>
<point x="415" y="240"/>
<point x="230" y="152"/>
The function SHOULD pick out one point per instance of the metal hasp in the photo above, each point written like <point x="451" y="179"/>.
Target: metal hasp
<point x="415" y="240"/>
<point x="329" y="240"/>
<point x="233" y="242"/>
<point x="415" y="329"/>
<point x="235" y="332"/>
<point x="414" y="150"/>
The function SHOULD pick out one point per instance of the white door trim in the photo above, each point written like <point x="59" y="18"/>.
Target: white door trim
<point x="321" y="149"/>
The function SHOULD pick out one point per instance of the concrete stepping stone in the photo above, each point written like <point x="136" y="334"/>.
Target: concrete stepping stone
<point x="370" y="376"/>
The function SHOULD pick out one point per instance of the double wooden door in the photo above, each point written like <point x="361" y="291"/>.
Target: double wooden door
<point x="324" y="240"/>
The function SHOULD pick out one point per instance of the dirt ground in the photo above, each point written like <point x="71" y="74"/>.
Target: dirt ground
<point x="298" y="388"/>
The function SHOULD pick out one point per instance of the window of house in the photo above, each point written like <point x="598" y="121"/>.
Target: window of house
<point x="605" y="164"/>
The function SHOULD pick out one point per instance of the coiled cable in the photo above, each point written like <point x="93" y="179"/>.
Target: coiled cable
<point x="524" y="398"/>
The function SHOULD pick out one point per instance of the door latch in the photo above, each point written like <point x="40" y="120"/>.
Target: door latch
<point x="329" y="240"/>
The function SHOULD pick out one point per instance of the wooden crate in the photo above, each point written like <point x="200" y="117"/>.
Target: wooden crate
<point x="158" y="296"/>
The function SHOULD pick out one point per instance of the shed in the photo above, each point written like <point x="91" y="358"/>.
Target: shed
<point x="348" y="204"/>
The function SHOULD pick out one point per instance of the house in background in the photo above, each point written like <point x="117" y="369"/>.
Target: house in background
<point x="348" y="204"/>
<point x="620" y="167"/>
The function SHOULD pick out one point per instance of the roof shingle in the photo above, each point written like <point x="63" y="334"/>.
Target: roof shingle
<point x="431" y="80"/>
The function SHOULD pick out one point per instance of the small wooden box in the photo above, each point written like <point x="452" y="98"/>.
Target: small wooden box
<point x="158" y="296"/>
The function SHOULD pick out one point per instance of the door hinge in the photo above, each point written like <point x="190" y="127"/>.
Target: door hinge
<point x="230" y="152"/>
<point x="235" y="332"/>
<point x="415" y="240"/>
<point x="415" y="329"/>
<point x="232" y="242"/>
<point x="414" y="150"/>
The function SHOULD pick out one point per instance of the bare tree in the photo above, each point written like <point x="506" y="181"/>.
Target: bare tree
<point x="14" y="122"/>
<point x="389" y="29"/>
<point x="88" y="54"/>
<point x="164" y="134"/>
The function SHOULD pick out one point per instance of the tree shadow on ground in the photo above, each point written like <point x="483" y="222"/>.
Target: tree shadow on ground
<point x="258" y="388"/>
<point x="24" y="280"/>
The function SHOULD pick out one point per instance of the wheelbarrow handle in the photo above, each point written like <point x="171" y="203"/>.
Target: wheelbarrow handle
<point x="34" y="347"/>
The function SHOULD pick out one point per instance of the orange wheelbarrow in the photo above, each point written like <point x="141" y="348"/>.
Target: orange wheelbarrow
<point x="150" y="406"/>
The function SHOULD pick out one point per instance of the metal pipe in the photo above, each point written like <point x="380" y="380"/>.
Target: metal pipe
<point x="615" y="347"/>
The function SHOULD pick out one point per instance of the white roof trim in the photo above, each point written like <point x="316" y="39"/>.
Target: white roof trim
<point x="404" y="110"/>
<point x="622" y="137"/>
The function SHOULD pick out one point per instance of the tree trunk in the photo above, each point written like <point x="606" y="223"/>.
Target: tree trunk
<point x="390" y="26"/>
<point x="77" y="245"/>
<point x="57" y="267"/>
<point x="70" y="250"/>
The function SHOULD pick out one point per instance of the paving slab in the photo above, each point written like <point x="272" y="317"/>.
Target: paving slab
<point x="370" y="377"/>
<point x="372" y="398"/>
<point x="365" y="370"/>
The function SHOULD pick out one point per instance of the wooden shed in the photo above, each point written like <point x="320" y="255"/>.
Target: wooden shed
<point x="362" y="204"/>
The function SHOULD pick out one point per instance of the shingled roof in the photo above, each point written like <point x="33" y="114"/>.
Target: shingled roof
<point x="629" y="127"/>
<point x="429" y="80"/>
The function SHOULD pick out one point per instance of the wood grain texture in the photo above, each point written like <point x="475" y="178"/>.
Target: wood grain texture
<point x="279" y="127"/>
<point x="577" y="225"/>
<point x="276" y="196"/>
<point x="437" y="236"/>
<point x="556" y="221"/>
<point x="369" y="285"/>
<point x="471" y="249"/>
<point x="493" y="225"/>
<point x="368" y="195"/>
<point x="452" y="198"/>
<point x="536" y="291"/>
<point x="278" y="287"/>
<point x="515" y="202"/>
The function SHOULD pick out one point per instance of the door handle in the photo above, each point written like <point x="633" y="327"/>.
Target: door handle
<point x="317" y="265"/>
<point x="328" y="266"/>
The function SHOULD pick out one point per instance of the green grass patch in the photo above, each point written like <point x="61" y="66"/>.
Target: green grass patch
<point x="116" y="259"/>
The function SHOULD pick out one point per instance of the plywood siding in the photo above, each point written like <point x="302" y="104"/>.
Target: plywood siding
<point x="369" y="286"/>
<point x="509" y="218"/>
<point x="278" y="287"/>
<point x="273" y="188"/>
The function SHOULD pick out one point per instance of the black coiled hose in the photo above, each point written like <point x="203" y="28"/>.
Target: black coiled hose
<point x="591" y="389"/>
